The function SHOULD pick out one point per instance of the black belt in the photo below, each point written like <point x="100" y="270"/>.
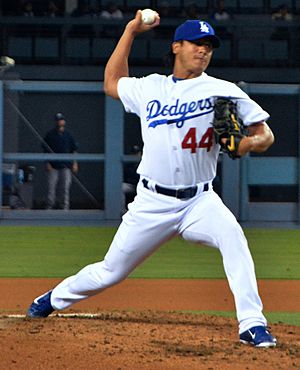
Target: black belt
<point x="185" y="193"/>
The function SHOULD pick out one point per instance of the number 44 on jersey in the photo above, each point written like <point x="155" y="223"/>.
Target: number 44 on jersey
<point x="190" y="140"/>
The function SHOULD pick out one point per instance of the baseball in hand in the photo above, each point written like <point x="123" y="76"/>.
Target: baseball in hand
<point x="148" y="16"/>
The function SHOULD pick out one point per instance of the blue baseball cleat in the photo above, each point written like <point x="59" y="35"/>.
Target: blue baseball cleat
<point x="41" y="306"/>
<point x="259" y="337"/>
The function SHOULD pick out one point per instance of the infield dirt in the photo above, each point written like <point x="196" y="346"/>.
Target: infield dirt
<point x="136" y="328"/>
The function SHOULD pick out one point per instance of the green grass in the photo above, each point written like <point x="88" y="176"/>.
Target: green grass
<point x="62" y="251"/>
<point x="290" y="318"/>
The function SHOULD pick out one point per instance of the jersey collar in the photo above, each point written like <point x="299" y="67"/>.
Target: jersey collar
<point x="175" y="79"/>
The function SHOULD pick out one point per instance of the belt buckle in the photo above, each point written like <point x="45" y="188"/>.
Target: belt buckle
<point x="183" y="193"/>
<point x="177" y="193"/>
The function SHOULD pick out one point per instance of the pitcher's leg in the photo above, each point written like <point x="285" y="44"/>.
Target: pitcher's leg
<point x="131" y="245"/>
<point x="240" y="272"/>
<point x="219" y="228"/>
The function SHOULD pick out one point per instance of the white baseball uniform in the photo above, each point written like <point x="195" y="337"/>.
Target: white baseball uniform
<point x="179" y="152"/>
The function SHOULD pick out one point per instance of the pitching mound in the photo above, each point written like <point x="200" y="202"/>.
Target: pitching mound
<point x="139" y="340"/>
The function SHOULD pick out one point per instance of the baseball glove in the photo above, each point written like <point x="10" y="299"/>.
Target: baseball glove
<point x="227" y="125"/>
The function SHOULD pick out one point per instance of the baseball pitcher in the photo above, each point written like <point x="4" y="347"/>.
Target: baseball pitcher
<point x="186" y="119"/>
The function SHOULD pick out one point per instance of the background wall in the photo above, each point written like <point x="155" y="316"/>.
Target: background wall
<point x="49" y="49"/>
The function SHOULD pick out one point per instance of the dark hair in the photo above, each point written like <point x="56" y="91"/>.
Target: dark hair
<point x="169" y="58"/>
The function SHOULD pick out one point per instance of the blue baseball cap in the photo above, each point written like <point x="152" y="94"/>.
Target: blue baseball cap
<point x="194" y="30"/>
<point x="59" y="116"/>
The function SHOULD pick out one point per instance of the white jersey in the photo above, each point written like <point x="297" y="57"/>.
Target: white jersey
<point x="176" y="121"/>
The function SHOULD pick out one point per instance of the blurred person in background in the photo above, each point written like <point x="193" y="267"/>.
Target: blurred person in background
<point x="27" y="10"/>
<point x="282" y="14"/>
<point x="192" y="11"/>
<point x="111" y="11"/>
<point x="166" y="11"/>
<point x="59" y="140"/>
<point x="220" y="13"/>
<point x="51" y="10"/>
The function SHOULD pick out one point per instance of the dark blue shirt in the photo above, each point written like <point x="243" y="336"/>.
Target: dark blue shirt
<point x="60" y="142"/>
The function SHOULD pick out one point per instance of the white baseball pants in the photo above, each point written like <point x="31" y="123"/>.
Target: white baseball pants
<point x="151" y="220"/>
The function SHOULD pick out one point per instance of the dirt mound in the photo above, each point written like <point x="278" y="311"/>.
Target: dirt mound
<point x="123" y="340"/>
<point x="134" y="327"/>
<point x="155" y="294"/>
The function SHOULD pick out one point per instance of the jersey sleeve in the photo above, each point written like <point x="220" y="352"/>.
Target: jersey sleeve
<point x="130" y="92"/>
<point x="248" y="110"/>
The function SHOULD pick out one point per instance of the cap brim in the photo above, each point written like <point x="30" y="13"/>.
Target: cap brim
<point x="215" y="41"/>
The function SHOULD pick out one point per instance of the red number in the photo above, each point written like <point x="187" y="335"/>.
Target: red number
<point x="206" y="140"/>
<point x="190" y="140"/>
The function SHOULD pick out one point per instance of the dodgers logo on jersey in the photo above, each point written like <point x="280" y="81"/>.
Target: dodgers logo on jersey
<point x="183" y="111"/>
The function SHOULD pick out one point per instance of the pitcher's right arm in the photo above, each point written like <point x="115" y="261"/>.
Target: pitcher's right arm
<point x="117" y="65"/>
